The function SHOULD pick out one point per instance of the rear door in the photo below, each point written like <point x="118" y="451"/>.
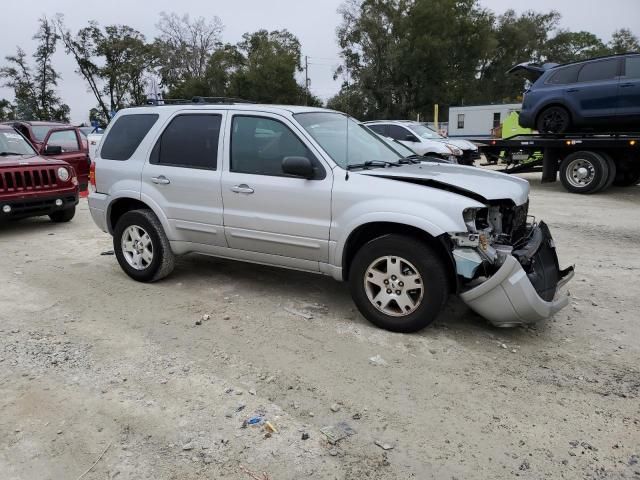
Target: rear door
<point x="629" y="90"/>
<point x="182" y="176"/>
<point x="595" y="94"/>
<point x="68" y="139"/>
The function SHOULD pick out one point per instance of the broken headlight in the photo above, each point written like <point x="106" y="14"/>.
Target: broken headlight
<point x="475" y="219"/>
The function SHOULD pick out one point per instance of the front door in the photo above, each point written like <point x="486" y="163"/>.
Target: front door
<point x="182" y="177"/>
<point x="70" y="142"/>
<point x="629" y="91"/>
<point x="266" y="211"/>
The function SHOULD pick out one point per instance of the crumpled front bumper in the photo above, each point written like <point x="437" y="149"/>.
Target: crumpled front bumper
<point x="509" y="298"/>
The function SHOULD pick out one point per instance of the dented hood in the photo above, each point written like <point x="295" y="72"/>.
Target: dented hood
<point x="482" y="185"/>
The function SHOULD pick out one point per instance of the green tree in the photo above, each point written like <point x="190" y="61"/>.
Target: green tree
<point x="115" y="61"/>
<point x="567" y="47"/>
<point x="7" y="110"/>
<point x="623" y="41"/>
<point x="35" y="87"/>
<point x="185" y="48"/>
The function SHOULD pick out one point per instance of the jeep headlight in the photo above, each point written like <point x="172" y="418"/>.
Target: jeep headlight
<point x="63" y="174"/>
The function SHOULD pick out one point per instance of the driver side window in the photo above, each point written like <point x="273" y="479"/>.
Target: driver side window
<point x="66" y="139"/>
<point x="260" y="144"/>
<point x="398" y="133"/>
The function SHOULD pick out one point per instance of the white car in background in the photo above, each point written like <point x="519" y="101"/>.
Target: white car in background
<point x="425" y="141"/>
<point x="94" y="139"/>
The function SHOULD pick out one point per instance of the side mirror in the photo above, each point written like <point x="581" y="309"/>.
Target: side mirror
<point x="410" y="138"/>
<point x="298" y="167"/>
<point x="52" y="150"/>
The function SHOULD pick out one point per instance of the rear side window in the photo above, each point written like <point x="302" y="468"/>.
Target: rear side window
<point x="603" y="70"/>
<point x="632" y="67"/>
<point x="126" y="134"/>
<point x="564" y="76"/>
<point x="379" y="129"/>
<point x="398" y="133"/>
<point x="190" y="141"/>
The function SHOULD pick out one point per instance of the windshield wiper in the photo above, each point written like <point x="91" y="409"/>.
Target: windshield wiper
<point x="7" y="154"/>
<point x="372" y="163"/>
<point x="411" y="159"/>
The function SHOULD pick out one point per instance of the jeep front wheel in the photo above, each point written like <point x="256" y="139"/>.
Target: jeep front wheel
<point x="141" y="246"/>
<point x="398" y="283"/>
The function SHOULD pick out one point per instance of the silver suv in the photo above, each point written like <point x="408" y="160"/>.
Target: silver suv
<point x="315" y="190"/>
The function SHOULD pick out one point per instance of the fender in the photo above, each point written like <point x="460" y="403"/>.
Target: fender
<point x="431" y="221"/>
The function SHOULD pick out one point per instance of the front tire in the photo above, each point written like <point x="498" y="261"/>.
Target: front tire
<point x="63" y="216"/>
<point x="141" y="246"/>
<point x="553" y="120"/>
<point x="398" y="283"/>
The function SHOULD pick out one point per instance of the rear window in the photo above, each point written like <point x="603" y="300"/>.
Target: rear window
<point x="603" y="70"/>
<point x="125" y="136"/>
<point x="565" y="75"/>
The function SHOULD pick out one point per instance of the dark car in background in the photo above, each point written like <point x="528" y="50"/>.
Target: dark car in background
<point x="60" y="141"/>
<point x="597" y="94"/>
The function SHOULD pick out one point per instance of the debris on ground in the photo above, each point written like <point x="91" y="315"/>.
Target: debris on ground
<point x="306" y="316"/>
<point x="305" y="436"/>
<point x="268" y="426"/>
<point x="107" y="253"/>
<point x="253" y="475"/>
<point x="337" y="432"/>
<point x="378" y="361"/>
<point x="335" y="408"/>
<point x="384" y="446"/>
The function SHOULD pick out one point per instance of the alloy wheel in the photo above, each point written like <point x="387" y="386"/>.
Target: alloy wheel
<point x="393" y="286"/>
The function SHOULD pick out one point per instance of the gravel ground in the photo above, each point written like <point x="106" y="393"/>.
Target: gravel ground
<point x="97" y="368"/>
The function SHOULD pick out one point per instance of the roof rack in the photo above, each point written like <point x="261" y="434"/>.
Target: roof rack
<point x="196" y="100"/>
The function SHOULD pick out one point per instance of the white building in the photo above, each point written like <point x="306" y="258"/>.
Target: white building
<point x="478" y="120"/>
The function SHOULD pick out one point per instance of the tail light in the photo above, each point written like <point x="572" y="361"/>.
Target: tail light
<point x="92" y="177"/>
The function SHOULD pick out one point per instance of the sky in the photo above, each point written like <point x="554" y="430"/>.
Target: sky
<point x="314" y="22"/>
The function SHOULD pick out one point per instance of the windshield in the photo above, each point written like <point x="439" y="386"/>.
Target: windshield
<point x="424" y="132"/>
<point x="345" y="140"/>
<point x="12" y="143"/>
<point x="40" y="131"/>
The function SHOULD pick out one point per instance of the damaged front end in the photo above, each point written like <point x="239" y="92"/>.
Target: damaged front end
<point x="508" y="266"/>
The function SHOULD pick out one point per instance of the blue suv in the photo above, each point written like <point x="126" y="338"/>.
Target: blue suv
<point x="597" y="94"/>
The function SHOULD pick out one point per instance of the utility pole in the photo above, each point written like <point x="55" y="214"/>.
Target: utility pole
<point x="306" y="80"/>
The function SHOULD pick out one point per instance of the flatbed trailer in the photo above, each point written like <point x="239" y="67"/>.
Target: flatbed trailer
<point x="587" y="163"/>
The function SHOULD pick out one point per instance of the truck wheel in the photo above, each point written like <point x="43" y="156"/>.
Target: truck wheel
<point x="63" y="216"/>
<point x="141" y="246"/>
<point x="584" y="172"/>
<point x="398" y="283"/>
<point x="613" y="170"/>
<point x="553" y="120"/>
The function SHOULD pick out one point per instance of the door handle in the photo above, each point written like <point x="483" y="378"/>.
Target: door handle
<point x="161" y="180"/>
<point x="242" y="188"/>
<point x="625" y="85"/>
<point x="573" y="90"/>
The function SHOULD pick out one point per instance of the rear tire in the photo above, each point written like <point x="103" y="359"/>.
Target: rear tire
<point x="141" y="246"/>
<point x="63" y="216"/>
<point x="398" y="283"/>
<point x="553" y="120"/>
<point x="584" y="172"/>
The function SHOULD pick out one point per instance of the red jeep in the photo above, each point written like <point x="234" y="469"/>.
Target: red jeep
<point x="31" y="185"/>
<point x="48" y="136"/>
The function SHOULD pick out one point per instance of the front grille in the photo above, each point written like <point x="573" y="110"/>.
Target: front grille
<point x="28" y="179"/>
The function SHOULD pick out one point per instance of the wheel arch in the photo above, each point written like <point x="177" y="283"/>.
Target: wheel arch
<point x="369" y="231"/>
<point x="122" y="205"/>
<point x="554" y="103"/>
